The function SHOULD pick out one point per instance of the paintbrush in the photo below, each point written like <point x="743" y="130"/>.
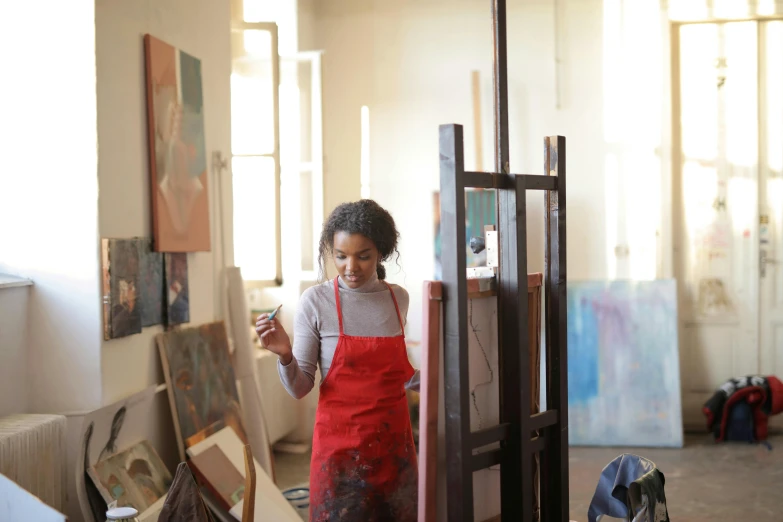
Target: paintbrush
<point x="274" y="314"/>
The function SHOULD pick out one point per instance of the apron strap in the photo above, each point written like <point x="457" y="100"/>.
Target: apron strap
<point x="396" y="307"/>
<point x="339" y="308"/>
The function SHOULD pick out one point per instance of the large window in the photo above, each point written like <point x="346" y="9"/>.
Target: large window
<point x="255" y="149"/>
<point x="277" y="145"/>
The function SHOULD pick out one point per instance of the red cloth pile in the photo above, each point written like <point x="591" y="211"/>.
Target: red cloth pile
<point x="763" y="394"/>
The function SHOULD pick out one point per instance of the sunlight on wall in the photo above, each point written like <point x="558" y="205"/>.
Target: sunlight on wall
<point x="365" y="152"/>
<point x="611" y="177"/>
<point x="741" y="94"/>
<point x="49" y="208"/>
<point x="632" y="132"/>
<point x="774" y="77"/>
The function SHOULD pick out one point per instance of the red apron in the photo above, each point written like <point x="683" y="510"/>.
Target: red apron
<point x="364" y="467"/>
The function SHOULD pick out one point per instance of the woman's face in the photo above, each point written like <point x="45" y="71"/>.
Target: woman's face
<point x="355" y="257"/>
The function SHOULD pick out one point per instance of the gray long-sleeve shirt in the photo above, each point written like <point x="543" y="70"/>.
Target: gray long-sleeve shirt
<point x="367" y="311"/>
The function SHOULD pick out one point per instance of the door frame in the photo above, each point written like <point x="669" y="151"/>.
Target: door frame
<point x="676" y="196"/>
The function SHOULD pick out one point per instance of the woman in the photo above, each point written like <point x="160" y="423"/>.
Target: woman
<point x="363" y="466"/>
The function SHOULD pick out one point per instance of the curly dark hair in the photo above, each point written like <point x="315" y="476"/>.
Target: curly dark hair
<point x="365" y="217"/>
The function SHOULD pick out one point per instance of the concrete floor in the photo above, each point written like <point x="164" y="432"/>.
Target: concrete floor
<point x="705" y="482"/>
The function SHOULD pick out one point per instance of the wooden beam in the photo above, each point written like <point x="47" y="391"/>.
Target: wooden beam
<point x="428" y="404"/>
<point x="459" y="475"/>
<point x="249" y="499"/>
<point x="554" y="483"/>
<point x="475" y="77"/>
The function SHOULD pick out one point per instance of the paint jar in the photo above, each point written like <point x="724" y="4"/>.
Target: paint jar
<point x="299" y="498"/>
<point x="123" y="514"/>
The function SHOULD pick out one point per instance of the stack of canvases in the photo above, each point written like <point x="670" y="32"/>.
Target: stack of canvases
<point x="117" y="463"/>
<point x="209" y="423"/>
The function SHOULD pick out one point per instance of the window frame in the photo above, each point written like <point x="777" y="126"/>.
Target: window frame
<point x="241" y="27"/>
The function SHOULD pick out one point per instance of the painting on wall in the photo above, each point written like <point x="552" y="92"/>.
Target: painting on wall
<point x="151" y="284"/>
<point x="623" y="364"/>
<point x="177" y="292"/>
<point x="134" y="477"/>
<point x="201" y="382"/>
<point x="120" y="277"/>
<point x="178" y="159"/>
<point x="480" y="211"/>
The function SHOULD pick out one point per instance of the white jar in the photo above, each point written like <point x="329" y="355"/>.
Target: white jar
<point x="124" y="514"/>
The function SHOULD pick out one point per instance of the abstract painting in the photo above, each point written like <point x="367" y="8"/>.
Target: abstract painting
<point x="479" y="212"/>
<point x="201" y="382"/>
<point x="623" y="364"/>
<point x="150" y="284"/>
<point x="135" y="477"/>
<point x="120" y="266"/>
<point x="177" y="294"/>
<point x="178" y="159"/>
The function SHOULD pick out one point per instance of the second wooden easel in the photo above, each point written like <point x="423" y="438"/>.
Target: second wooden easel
<point x="517" y="444"/>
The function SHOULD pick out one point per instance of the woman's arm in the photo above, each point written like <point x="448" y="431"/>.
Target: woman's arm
<point x="414" y="383"/>
<point x="298" y="376"/>
<point x="403" y="300"/>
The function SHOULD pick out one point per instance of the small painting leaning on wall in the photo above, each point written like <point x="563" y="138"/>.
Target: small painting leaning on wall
<point x="134" y="477"/>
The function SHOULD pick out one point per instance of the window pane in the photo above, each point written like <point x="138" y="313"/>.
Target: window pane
<point x="701" y="71"/>
<point x="252" y="95"/>
<point x="255" y="218"/>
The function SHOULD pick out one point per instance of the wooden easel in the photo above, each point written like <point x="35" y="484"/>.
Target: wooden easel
<point x="517" y="445"/>
<point x="249" y="499"/>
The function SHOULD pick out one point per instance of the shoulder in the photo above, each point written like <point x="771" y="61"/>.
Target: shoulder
<point x="316" y="296"/>
<point x="401" y="295"/>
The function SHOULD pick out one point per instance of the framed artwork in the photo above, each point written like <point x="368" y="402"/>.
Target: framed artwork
<point x="134" y="477"/>
<point x="120" y="271"/>
<point x="151" y="284"/>
<point x="178" y="158"/>
<point x="177" y="290"/>
<point x="201" y="382"/>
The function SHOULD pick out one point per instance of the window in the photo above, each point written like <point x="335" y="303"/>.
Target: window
<point x="255" y="149"/>
<point x="277" y="145"/>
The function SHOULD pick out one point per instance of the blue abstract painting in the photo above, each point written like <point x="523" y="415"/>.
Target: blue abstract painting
<point x="623" y="364"/>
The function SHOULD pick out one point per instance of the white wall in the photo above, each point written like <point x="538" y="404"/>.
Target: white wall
<point x="13" y="350"/>
<point x="410" y="61"/>
<point x="49" y="200"/>
<point x="201" y="28"/>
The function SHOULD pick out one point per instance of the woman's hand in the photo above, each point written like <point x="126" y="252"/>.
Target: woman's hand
<point x="274" y="338"/>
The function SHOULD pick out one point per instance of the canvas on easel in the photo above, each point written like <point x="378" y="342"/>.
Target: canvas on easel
<point x="178" y="158"/>
<point x="201" y="382"/>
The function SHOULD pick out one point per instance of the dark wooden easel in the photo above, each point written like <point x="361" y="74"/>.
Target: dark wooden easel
<point x="518" y="446"/>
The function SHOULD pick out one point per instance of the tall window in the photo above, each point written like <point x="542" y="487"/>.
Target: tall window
<point x="277" y="144"/>
<point x="255" y="148"/>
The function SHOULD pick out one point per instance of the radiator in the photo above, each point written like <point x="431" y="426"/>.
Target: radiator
<point x="32" y="454"/>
